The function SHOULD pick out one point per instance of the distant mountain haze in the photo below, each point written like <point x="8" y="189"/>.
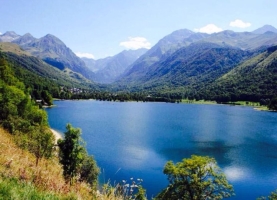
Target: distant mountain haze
<point x="8" y="36"/>
<point x="265" y="28"/>
<point x="110" y="68"/>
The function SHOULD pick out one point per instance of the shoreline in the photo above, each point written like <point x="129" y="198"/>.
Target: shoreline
<point x="57" y="135"/>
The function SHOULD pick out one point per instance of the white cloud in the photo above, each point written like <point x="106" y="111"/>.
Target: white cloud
<point x="136" y="43"/>
<point x="85" y="55"/>
<point x="210" y="28"/>
<point x="239" y="24"/>
<point x="0" y="33"/>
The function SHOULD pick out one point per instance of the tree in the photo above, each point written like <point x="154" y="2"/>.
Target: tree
<point x="195" y="178"/>
<point x="272" y="196"/>
<point x="47" y="97"/>
<point x="71" y="152"/>
<point x="140" y="194"/>
<point x="273" y="104"/>
<point x="89" y="171"/>
<point x="41" y="143"/>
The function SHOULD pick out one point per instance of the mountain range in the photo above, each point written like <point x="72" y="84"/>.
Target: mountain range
<point x="50" y="49"/>
<point x="166" y="51"/>
<point x="182" y="62"/>
<point x="107" y="70"/>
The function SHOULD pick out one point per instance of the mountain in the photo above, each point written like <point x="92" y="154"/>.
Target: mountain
<point x="193" y="60"/>
<point x="164" y="48"/>
<point x="192" y="66"/>
<point x="13" y="48"/>
<point x="24" y="40"/>
<point x="32" y="66"/>
<point x="8" y="36"/>
<point x="112" y="67"/>
<point x="264" y="29"/>
<point x="253" y="80"/>
<point x="242" y="40"/>
<point x="90" y="63"/>
<point x="50" y="49"/>
<point x="95" y="65"/>
<point x="53" y="51"/>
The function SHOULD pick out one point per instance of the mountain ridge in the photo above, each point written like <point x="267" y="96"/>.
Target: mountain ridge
<point x="112" y="67"/>
<point x="182" y="59"/>
<point x="52" y="50"/>
<point x="154" y="59"/>
<point x="264" y="29"/>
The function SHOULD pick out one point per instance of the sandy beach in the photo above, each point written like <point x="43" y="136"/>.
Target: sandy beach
<point x="57" y="135"/>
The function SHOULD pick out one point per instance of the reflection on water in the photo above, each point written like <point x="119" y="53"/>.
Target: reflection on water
<point x="136" y="139"/>
<point x="236" y="173"/>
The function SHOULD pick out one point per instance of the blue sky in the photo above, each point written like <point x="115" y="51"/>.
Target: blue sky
<point x="102" y="28"/>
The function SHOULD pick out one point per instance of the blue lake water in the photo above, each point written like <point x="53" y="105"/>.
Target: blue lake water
<point x="135" y="139"/>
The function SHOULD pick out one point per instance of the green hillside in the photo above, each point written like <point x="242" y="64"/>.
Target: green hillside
<point x="38" y="76"/>
<point x="189" y="68"/>
<point x="253" y="80"/>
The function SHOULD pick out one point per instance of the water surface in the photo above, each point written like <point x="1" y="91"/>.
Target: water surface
<point x="135" y="139"/>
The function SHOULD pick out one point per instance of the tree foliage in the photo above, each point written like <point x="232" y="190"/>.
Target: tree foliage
<point x="42" y="143"/>
<point x="195" y="178"/>
<point x="71" y="152"/>
<point x="21" y="116"/>
<point x="74" y="158"/>
<point x="273" y="104"/>
<point x="272" y="196"/>
<point x="89" y="171"/>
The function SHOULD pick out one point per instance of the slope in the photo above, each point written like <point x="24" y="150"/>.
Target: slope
<point x="265" y="28"/>
<point x="243" y="40"/>
<point x="13" y="48"/>
<point x="253" y="80"/>
<point x="50" y="49"/>
<point x="164" y="48"/>
<point x="189" y="67"/>
<point x="38" y="75"/>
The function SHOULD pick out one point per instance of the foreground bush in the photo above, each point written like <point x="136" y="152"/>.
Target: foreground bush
<point x="195" y="178"/>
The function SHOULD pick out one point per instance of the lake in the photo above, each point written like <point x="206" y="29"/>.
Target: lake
<point x="136" y="139"/>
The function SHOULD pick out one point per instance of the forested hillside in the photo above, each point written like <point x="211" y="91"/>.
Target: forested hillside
<point x="41" y="78"/>
<point x="253" y="80"/>
<point x="195" y="65"/>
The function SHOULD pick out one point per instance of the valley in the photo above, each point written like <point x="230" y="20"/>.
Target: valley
<point x="221" y="67"/>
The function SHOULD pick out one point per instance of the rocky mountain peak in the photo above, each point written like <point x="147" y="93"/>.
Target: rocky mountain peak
<point x="9" y="36"/>
<point x="24" y="40"/>
<point x="51" y="39"/>
<point x="264" y="29"/>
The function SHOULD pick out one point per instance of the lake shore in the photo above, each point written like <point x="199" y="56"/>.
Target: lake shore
<point x="57" y="135"/>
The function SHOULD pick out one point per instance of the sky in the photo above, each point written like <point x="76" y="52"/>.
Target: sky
<point x="101" y="28"/>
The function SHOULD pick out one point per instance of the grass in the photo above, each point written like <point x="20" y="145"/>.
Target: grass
<point x="21" y="179"/>
<point x="14" y="48"/>
<point x="11" y="188"/>
<point x="256" y="105"/>
<point x="17" y="167"/>
<point x="197" y="102"/>
<point x="239" y="103"/>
